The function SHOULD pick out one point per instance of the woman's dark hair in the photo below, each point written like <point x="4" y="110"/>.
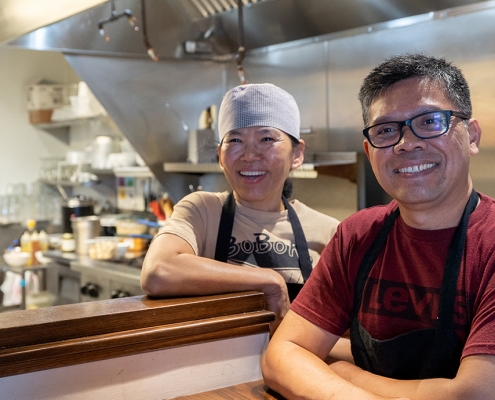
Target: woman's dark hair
<point x="435" y="70"/>
<point x="288" y="186"/>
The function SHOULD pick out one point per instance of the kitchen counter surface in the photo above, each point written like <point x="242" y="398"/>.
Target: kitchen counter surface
<point x="131" y="267"/>
<point x="69" y="258"/>
<point x="102" y="279"/>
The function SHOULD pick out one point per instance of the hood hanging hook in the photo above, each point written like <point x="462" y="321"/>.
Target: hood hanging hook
<point x="241" y="52"/>
<point x="114" y="15"/>
<point x="149" y="48"/>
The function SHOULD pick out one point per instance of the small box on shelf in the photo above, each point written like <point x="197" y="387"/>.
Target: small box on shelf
<point x="40" y="116"/>
<point x="43" y="98"/>
<point x="48" y="96"/>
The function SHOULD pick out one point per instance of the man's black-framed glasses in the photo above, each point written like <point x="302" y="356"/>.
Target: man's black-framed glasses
<point x="427" y="125"/>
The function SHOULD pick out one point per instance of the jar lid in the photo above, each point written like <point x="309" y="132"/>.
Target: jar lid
<point x="78" y="201"/>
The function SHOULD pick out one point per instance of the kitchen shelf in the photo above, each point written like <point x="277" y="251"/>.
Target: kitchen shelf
<point x="61" y="129"/>
<point x="66" y="123"/>
<point x="137" y="172"/>
<point x="304" y="171"/>
<point x="61" y="183"/>
<point x="307" y="170"/>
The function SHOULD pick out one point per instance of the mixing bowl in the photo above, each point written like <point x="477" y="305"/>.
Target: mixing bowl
<point x="16" y="258"/>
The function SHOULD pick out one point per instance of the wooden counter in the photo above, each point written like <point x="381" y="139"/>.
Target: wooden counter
<point x="256" y="390"/>
<point x="64" y="336"/>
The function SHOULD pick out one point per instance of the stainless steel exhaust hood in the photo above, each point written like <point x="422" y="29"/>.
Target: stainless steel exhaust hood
<point x="151" y="101"/>
<point x="212" y="24"/>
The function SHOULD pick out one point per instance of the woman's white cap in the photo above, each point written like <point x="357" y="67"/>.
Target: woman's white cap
<point x="259" y="105"/>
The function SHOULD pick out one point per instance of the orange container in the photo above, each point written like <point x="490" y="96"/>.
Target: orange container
<point x="137" y="244"/>
<point x="40" y="116"/>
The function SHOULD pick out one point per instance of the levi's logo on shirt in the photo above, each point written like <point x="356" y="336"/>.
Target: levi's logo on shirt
<point x="407" y="301"/>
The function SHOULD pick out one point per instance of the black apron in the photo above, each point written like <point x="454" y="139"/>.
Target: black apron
<point x="225" y="232"/>
<point x="423" y="353"/>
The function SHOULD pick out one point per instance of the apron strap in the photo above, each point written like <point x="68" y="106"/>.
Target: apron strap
<point x="448" y="289"/>
<point x="225" y="229"/>
<point x="370" y="258"/>
<point x="305" y="263"/>
<point x="227" y="223"/>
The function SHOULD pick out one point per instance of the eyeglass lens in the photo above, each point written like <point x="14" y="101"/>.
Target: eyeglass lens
<point x="424" y="126"/>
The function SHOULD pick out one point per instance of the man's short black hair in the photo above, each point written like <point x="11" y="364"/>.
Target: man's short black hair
<point x="433" y="69"/>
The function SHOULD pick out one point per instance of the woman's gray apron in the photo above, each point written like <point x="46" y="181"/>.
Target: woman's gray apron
<point x="225" y="232"/>
<point x="423" y="353"/>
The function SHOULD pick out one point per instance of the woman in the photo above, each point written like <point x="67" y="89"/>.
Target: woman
<point x="211" y="238"/>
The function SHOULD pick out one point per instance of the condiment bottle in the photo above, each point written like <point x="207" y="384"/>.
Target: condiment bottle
<point x="26" y="245"/>
<point x="43" y="237"/>
<point x="35" y="244"/>
<point x="34" y="239"/>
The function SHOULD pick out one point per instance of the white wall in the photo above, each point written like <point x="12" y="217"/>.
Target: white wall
<point x="161" y="374"/>
<point x="22" y="145"/>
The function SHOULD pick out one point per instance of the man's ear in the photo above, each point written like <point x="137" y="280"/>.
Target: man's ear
<point x="474" y="136"/>
<point x="366" y="146"/>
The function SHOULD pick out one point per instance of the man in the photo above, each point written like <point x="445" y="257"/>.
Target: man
<point x="413" y="280"/>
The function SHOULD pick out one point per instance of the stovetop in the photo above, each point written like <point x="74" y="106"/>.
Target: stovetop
<point x="66" y="258"/>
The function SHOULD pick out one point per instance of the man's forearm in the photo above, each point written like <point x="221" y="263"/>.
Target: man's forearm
<point x="308" y="377"/>
<point x="462" y="387"/>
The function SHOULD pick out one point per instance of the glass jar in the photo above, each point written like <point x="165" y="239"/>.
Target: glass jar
<point x="67" y="243"/>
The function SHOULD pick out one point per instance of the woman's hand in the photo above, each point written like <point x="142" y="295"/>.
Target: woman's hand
<point x="277" y="300"/>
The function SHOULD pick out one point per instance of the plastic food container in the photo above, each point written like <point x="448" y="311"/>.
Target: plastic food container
<point x="126" y="227"/>
<point x="102" y="248"/>
<point x="136" y="244"/>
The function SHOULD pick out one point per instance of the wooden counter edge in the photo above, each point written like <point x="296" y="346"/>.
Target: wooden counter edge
<point x="256" y="390"/>
<point x="96" y="347"/>
<point x="107" y="316"/>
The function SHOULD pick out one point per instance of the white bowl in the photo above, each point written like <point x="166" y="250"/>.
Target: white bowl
<point x="42" y="259"/>
<point x="122" y="248"/>
<point x="16" y="258"/>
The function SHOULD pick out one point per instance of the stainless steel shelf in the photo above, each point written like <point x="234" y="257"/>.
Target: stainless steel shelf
<point x="307" y="170"/>
<point x="61" y="183"/>
<point x="137" y="172"/>
<point x="61" y="129"/>
<point x="328" y="158"/>
<point x="304" y="171"/>
<point x="62" y="123"/>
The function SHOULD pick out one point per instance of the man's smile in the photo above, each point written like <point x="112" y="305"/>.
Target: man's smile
<point x="415" y="168"/>
<point x="252" y="173"/>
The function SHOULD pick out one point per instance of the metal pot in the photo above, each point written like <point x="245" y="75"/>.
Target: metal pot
<point x="85" y="228"/>
<point x="78" y="206"/>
